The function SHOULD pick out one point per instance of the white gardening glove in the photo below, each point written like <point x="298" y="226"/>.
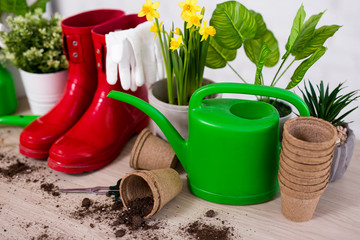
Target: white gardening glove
<point x="124" y="65"/>
<point x="114" y="52"/>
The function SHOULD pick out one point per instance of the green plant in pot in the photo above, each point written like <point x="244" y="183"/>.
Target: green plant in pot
<point x="8" y="98"/>
<point x="33" y="43"/>
<point x="237" y="26"/>
<point x="184" y="52"/>
<point x="330" y="105"/>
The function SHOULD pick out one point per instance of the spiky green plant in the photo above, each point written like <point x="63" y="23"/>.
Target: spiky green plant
<point x="328" y="105"/>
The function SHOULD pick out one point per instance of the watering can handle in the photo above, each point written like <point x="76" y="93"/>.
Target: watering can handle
<point x="243" y="88"/>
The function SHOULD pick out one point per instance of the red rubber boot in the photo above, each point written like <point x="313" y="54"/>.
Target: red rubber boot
<point x="99" y="136"/>
<point x="37" y="138"/>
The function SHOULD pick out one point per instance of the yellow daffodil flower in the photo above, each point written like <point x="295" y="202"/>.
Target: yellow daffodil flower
<point x="149" y="10"/>
<point x="154" y="29"/>
<point x="177" y="31"/>
<point x="207" y="31"/>
<point x="193" y="19"/>
<point x="189" y="6"/>
<point x="175" y="44"/>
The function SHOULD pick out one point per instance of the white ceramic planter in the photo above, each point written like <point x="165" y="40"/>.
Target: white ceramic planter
<point x="43" y="90"/>
<point x="177" y="115"/>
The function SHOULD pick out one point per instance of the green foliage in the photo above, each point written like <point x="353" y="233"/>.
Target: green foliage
<point x="20" y="7"/>
<point x="218" y="56"/>
<point x="234" y="23"/>
<point x="328" y="105"/>
<point x="34" y="43"/>
<point x="237" y="26"/>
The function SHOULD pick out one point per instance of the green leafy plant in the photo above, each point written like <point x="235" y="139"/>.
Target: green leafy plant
<point x="328" y="105"/>
<point x="20" y="7"/>
<point x="237" y="26"/>
<point x="34" y="43"/>
<point x="185" y="56"/>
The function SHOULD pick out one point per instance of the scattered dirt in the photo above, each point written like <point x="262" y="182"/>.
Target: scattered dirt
<point x="50" y="188"/>
<point x="18" y="168"/>
<point x="120" y="233"/>
<point x="204" y="231"/>
<point x="101" y="213"/>
<point x="133" y="217"/>
<point x="86" y="203"/>
<point x="210" y="214"/>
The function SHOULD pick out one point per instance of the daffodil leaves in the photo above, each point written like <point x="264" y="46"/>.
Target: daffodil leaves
<point x="217" y="56"/>
<point x="300" y="71"/>
<point x="234" y="24"/>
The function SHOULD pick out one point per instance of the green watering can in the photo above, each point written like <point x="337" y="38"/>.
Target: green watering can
<point x="232" y="153"/>
<point x="8" y="101"/>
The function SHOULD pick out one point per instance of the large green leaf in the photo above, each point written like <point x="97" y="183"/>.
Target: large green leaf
<point x="217" y="56"/>
<point x="317" y="40"/>
<point x="264" y="54"/>
<point x="253" y="48"/>
<point x="18" y="7"/>
<point x="260" y="24"/>
<point x="305" y="34"/>
<point x="296" y="28"/>
<point x="234" y="23"/>
<point x="39" y="4"/>
<point x="301" y="70"/>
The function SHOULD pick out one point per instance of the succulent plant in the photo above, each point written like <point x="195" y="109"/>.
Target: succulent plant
<point x="329" y="105"/>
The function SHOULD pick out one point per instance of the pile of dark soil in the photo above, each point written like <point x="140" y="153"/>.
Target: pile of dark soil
<point x="50" y="188"/>
<point x="15" y="169"/>
<point x="133" y="217"/>
<point x="203" y="231"/>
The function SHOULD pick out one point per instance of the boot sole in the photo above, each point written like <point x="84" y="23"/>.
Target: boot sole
<point x="101" y="160"/>
<point x="33" y="153"/>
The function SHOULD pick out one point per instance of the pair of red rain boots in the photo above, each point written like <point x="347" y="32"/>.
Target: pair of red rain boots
<point x="86" y="130"/>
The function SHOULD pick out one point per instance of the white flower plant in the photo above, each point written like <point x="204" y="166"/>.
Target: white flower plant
<point x="34" y="43"/>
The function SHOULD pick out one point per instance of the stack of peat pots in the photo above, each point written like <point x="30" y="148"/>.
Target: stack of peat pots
<point x="304" y="166"/>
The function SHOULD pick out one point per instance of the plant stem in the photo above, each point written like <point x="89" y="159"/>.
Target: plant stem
<point x="236" y="73"/>
<point x="283" y="73"/>
<point x="272" y="83"/>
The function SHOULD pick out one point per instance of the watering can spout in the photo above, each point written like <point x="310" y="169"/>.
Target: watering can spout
<point x="176" y="141"/>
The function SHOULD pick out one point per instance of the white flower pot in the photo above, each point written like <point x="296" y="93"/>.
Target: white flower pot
<point x="177" y="115"/>
<point x="43" y="90"/>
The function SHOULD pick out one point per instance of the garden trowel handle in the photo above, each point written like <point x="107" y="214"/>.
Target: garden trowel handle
<point x="242" y="88"/>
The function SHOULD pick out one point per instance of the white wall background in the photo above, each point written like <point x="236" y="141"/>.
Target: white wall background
<point x="340" y="63"/>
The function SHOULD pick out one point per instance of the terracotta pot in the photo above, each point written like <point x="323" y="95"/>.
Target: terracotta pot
<point x="161" y="184"/>
<point x="306" y="167"/>
<point x="304" y="181"/>
<point x="299" y="194"/>
<point x="298" y="210"/>
<point x="307" y="152"/>
<point x="310" y="133"/>
<point x="177" y="115"/>
<point x="302" y="187"/>
<point x="304" y="159"/>
<point x="302" y="174"/>
<point x="342" y="156"/>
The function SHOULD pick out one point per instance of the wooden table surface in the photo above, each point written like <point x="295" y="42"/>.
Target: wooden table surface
<point x="27" y="212"/>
